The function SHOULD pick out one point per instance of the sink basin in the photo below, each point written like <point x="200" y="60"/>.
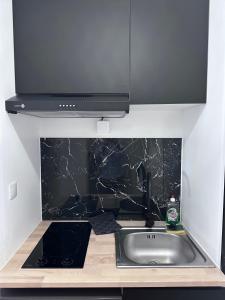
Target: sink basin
<point x="141" y="247"/>
<point x="157" y="248"/>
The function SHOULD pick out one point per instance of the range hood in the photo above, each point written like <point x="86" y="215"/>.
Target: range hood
<point x="70" y="105"/>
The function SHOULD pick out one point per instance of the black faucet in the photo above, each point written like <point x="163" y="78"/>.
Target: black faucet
<point x="145" y="178"/>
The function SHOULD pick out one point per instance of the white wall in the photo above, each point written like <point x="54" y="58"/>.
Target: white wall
<point x="143" y="121"/>
<point x="19" y="154"/>
<point x="204" y="148"/>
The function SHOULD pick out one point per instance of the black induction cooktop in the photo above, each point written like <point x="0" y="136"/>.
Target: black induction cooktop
<point x="64" y="245"/>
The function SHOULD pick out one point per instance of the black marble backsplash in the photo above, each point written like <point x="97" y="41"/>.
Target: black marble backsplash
<point x="81" y="176"/>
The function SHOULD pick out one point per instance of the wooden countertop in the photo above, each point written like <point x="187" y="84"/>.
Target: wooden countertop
<point x="100" y="270"/>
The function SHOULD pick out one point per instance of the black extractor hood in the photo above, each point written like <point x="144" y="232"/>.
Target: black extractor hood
<point x="72" y="58"/>
<point x="70" y="106"/>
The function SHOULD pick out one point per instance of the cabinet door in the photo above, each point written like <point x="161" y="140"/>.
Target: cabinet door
<point x="169" y="46"/>
<point x="71" y="46"/>
<point x="174" y="293"/>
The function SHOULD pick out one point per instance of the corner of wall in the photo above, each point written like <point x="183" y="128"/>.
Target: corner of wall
<point x="204" y="144"/>
<point x="19" y="154"/>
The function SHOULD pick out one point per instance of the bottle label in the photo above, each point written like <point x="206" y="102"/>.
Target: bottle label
<point x="172" y="215"/>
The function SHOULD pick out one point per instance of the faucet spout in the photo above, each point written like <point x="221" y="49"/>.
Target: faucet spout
<point x="149" y="218"/>
<point x="146" y="182"/>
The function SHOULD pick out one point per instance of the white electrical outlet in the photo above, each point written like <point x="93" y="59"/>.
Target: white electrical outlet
<point x="103" y="127"/>
<point x="12" y="190"/>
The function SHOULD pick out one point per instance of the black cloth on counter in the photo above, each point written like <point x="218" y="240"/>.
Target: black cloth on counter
<point x="104" y="223"/>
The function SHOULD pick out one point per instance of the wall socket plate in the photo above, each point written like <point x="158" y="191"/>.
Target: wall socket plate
<point x="12" y="190"/>
<point x="103" y="127"/>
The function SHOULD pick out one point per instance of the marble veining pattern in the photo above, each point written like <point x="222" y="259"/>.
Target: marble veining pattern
<point x="81" y="176"/>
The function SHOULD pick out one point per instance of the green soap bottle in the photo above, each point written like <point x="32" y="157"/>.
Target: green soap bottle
<point x="172" y="213"/>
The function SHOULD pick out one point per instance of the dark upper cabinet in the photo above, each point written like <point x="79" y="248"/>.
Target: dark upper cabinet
<point x="169" y="46"/>
<point x="71" y="46"/>
<point x="154" y="49"/>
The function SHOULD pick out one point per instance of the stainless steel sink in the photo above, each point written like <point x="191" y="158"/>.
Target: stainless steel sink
<point x="142" y="247"/>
